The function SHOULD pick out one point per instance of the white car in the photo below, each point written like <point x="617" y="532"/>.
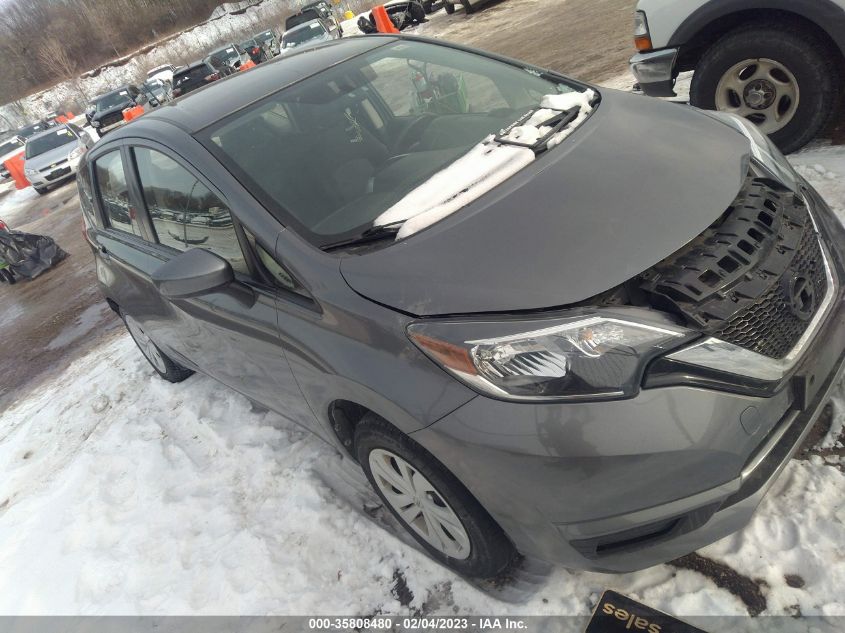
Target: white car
<point x="775" y="63"/>
<point x="163" y="72"/>
<point x="52" y="156"/>
<point x="307" y="34"/>
<point x="8" y="149"/>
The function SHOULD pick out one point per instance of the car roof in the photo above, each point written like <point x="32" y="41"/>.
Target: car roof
<point x="47" y="132"/>
<point x="115" y="91"/>
<point x="212" y="102"/>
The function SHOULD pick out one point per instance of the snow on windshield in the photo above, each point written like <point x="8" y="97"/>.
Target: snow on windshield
<point x="485" y="166"/>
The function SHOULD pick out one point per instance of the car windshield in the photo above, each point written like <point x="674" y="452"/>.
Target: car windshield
<point x="191" y="74"/>
<point x="29" y="130"/>
<point x="45" y="143"/>
<point x="9" y="146"/>
<point x="334" y="152"/>
<point x="226" y="54"/>
<point x="303" y="34"/>
<point x="113" y="99"/>
<point x="266" y="35"/>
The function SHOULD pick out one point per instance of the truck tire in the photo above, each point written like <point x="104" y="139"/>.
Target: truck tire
<point x="784" y="80"/>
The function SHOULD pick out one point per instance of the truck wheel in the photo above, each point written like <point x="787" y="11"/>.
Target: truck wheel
<point x="450" y="8"/>
<point x="429" y="502"/>
<point x="783" y="80"/>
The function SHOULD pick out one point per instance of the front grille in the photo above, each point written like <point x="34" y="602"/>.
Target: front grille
<point x="770" y="327"/>
<point x="54" y="166"/>
<point x="755" y="278"/>
<point x="111" y="119"/>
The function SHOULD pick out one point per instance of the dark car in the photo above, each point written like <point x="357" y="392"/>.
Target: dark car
<point x="233" y="55"/>
<point x="256" y="50"/>
<point x="270" y="40"/>
<point x="197" y="75"/>
<point x="320" y="10"/>
<point x="532" y="329"/>
<point x="34" y="128"/>
<point x="108" y="113"/>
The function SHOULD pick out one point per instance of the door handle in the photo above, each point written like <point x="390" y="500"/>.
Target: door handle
<point x="104" y="252"/>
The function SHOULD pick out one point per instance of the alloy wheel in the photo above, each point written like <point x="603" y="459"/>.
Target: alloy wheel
<point x="763" y="91"/>
<point x="420" y="505"/>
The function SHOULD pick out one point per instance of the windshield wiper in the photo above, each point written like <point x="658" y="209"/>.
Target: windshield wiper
<point x="372" y="234"/>
<point x="556" y="123"/>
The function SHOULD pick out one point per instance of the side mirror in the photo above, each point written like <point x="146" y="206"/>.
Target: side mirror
<point x="193" y="273"/>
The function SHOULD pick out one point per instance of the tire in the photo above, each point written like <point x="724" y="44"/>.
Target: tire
<point x="450" y="8"/>
<point x="8" y="276"/>
<point x="428" y="6"/>
<point x="165" y="367"/>
<point x="800" y="53"/>
<point x="468" y="8"/>
<point x="485" y="551"/>
<point x="40" y="190"/>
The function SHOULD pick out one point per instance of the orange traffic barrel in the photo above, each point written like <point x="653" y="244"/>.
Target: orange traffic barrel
<point x="133" y="113"/>
<point x="247" y="65"/>
<point x="15" y="167"/>
<point x="383" y="22"/>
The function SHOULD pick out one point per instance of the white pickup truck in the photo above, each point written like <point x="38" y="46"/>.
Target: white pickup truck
<point x="778" y="63"/>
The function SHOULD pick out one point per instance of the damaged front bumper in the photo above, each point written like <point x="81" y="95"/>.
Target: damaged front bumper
<point x="624" y="485"/>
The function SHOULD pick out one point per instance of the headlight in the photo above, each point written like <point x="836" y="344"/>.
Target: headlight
<point x="30" y="172"/>
<point x="589" y="355"/>
<point x="642" y="37"/>
<point x="79" y="151"/>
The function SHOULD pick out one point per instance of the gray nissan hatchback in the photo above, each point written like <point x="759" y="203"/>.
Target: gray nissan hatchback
<point x="545" y="318"/>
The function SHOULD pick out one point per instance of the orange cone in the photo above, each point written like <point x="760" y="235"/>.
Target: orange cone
<point x="247" y="65"/>
<point x="15" y="167"/>
<point x="133" y="113"/>
<point x="383" y="22"/>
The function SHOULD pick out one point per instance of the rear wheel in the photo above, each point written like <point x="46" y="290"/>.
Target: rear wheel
<point x="168" y="369"/>
<point x="429" y="502"/>
<point x="450" y="8"/>
<point x="782" y="80"/>
<point x="468" y="8"/>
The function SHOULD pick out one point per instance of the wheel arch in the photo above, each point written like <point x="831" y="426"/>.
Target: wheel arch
<point x="823" y="18"/>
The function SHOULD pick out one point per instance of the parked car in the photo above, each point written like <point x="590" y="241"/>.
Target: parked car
<point x="199" y="74"/>
<point x="233" y="55"/>
<point x="270" y="41"/>
<point x="164" y="73"/>
<point x="256" y="50"/>
<point x="90" y="110"/>
<point x="108" y="114"/>
<point x="776" y="65"/>
<point x="9" y="148"/>
<point x="157" y="91"/>
<point x="34" y="128"/>
<point x="403" y="13"/>
<point x="308" y="34"/>
<point x="52" y="156"/>
<point x="528" y="341"/>
<point x="320" y="10"/>
<point x="469" y="5"/>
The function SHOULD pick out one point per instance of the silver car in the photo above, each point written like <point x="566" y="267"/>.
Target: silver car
<point x="52" y="156"/>
<point x="308" y="34"/>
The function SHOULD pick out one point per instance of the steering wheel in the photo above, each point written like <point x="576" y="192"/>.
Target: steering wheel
<point x="416" y="127"/>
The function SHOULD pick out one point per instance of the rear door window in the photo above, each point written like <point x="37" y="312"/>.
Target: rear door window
<point x="114" y="193"/>
<point x="184" y="212"/>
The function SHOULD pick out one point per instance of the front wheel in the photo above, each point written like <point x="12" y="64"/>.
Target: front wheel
<point x="167" y="368"/>
<point x="429" y="502"/>
<point x="782" y="80"/>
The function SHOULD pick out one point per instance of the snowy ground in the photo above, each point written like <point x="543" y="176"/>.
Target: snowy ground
<point x="123" y="494"/>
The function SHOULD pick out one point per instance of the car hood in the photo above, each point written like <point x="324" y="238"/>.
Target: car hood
<point x="118" y="108"/>
<point x="636" y="182"/>
<point x="53" y="156"/>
